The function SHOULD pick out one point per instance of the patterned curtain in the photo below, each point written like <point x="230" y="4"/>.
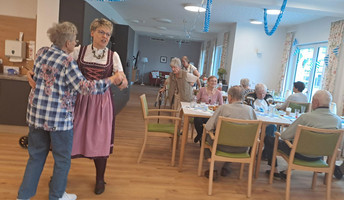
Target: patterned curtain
<point x="285" y="60"/>
<point x="224" y="50"/>
<point x="334" y="46"/>
<point x="205" y="64"/>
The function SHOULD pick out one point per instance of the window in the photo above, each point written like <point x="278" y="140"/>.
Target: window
<point x="308" y="67"/>
<point x="216" y="61"/>
<point x="201" y="63"/>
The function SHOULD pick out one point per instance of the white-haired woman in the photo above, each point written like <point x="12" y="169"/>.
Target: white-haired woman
<point x="50" y="111"/>
<point x="180" y="88"/>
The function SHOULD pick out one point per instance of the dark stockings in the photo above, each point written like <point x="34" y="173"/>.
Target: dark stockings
<point x="100" y="164"/>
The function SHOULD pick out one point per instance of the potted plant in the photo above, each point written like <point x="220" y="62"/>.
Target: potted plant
<point x="221" y="72"/>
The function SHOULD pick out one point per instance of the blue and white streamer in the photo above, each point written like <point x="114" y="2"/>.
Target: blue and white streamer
<point x="326" y="60"/>
<point x="278" y="20"/>
<point x="336" y="51"/>
<point x="207" y="16"/>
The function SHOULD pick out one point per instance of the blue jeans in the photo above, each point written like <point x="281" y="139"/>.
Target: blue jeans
<point x="40" y="142"/>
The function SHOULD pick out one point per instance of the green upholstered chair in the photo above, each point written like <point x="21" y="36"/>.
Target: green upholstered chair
<point x="235" y="133"/>
<point x="168" y="130"/>
<point x="297" y="105"/>
<point x="312" y="142"/>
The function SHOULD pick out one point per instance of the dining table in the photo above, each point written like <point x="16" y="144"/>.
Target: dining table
<point x="203" y="110"/>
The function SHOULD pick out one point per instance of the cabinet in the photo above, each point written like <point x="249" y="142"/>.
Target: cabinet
<point x="82" y="14"/>
<point x="14" y="92"/>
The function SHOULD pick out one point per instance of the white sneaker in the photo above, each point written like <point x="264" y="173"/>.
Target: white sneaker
<point x="67" y="196"/>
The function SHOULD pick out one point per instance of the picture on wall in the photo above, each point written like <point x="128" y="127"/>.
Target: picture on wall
<point x="163" y="59"/>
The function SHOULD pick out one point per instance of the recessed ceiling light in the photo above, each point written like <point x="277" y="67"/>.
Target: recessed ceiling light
<point x="273" y="12"/>
<point x="161" y="28"/>
<point x="254" y="21"/>
<point x="163" y="20"/>
<point x="194" y="8"/>
<point x="135" y="21"/>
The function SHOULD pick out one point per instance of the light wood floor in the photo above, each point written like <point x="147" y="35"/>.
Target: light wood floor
<point x="154" y="178"/>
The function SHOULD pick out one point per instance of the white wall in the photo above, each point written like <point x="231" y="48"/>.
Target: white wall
<point x="19" y="8"/>
<point x="313" y="31"/>
<point x="153" y="50"/>
<point x="245" y="61"/>
<point x="46" y="16"/>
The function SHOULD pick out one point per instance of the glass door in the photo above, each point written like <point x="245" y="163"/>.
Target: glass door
<point x="310" y="67"/>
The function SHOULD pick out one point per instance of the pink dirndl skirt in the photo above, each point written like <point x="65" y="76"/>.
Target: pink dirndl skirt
<point x="93" y="126"/>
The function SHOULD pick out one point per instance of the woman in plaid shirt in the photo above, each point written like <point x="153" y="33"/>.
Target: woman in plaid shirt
<point x="50" y="110"/>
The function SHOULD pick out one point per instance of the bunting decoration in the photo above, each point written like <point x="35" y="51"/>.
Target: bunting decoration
<point x="335" y="51"/>
<point x="326" y="60"/>
<point x="207" y="16"/>
<point x="278" y="20"/>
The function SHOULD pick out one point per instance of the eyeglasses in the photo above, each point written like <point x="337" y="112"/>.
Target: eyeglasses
<point x="104" y="33"/>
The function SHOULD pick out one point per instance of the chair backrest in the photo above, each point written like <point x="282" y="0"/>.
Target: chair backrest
<point x="144" y="105"/>
<point x="317" y="142"/>
<point x="298" y="105"/>
<point x="236" y="132"/>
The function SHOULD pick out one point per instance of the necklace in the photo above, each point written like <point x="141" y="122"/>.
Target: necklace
<point x="98" y="56"/>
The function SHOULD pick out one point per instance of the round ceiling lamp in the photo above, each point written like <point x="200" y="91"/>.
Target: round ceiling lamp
<point x="194" y="8"/>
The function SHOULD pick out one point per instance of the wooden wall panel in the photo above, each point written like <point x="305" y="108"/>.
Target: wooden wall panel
<point x="10" y="28"/>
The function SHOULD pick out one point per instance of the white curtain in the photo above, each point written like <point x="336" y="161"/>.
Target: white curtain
<point x="334" y="73"/>
<point x="288" y="44"/>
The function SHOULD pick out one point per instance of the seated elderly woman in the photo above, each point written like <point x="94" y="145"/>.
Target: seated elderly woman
<point x="180" y="84"/>
<point x="209" y="95"/>
<point x="298" y="96"/>
<point x="245" y="84"/>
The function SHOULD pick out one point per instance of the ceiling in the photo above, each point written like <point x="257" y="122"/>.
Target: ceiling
<point x="141" y="15"/>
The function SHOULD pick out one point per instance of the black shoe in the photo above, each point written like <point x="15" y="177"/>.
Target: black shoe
<point x="225" y="172"/>
<point x="206" y="174"/>
<point x="279" y="176"/>
<point x="100" y="187"/>
<point x="197" y="138"/>
<point x="337" y="172"/>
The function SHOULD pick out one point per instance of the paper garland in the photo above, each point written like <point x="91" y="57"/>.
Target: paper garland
<point x="278" y="20"/>
<point x="207" y="16"/>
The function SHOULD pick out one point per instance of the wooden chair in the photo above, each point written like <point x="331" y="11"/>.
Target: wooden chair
<point x="297" y="105"/>
<point x="169" y="130"/>
<point x="235" y="133"/>
<point x="314" y="142"/>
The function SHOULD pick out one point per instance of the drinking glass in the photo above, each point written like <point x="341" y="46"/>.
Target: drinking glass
<point x="297" y="111"/>
<point x="303" y="109"/>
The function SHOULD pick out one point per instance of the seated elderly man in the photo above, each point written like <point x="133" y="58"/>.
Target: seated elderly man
<point x="180" y="84"/>
<point x="235" y="109"/>
<point x="298" y="96"/>
<point x="320" y="117"/>
<point x="259" y="98"/>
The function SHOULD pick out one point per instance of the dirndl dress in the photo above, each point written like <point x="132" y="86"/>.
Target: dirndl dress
<point x="94" y="114"/>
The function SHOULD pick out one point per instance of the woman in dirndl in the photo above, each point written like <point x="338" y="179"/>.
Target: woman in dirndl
<point x="94" y="121"/>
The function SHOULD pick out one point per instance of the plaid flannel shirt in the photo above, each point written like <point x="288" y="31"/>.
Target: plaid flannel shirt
<point x="58" y="80"/>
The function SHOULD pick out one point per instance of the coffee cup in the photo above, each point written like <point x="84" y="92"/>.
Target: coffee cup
<point x="288" y="111"/>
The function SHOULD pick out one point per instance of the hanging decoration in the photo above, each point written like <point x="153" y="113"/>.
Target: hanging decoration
<point x="207" y="16"/>
<point x="278" y="20"/>
<point x="326" y="60"/>
<point x="336" y="51"/>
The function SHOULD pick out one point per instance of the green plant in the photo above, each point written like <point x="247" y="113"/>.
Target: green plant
<point x="221" y="72"/>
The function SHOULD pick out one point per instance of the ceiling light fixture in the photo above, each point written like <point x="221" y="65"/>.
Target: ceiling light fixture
<point x="161" y="28"/>
<point x="254" y="21"/>
<point x="273" y="12"/>
<point x="163" y="20"/>
<point x="194" y="8"/>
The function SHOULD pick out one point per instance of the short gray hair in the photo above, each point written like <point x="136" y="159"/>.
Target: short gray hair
<point x="245" y="82"/>
<point x="236" y="92"/>
<point x="99" y="23"/>
<point x="324" y="97"/>
<point x="176" y="62"/>
<point x="261" y="87"/>
<point x="60" y="33"/>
